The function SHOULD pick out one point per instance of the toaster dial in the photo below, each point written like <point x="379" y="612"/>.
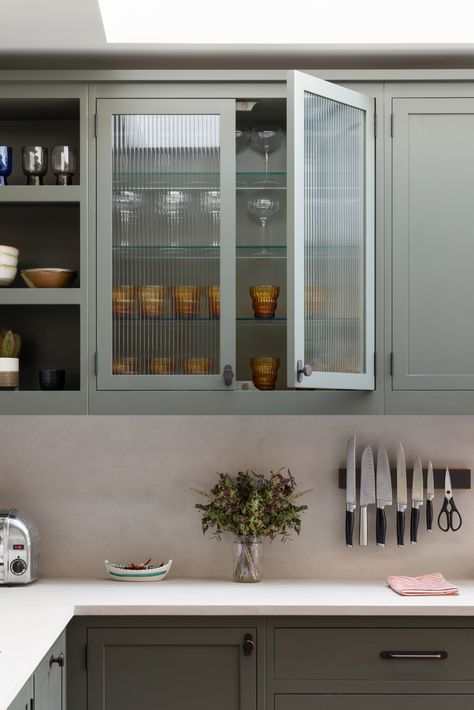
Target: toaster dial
<point x="18" y="566"/>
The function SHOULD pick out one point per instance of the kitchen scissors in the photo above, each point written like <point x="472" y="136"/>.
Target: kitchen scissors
<point x="449" y="517"/>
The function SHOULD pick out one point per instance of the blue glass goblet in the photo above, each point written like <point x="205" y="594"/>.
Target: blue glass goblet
<point x="5" y="163"/>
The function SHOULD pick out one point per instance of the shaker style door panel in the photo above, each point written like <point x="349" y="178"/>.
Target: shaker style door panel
<point x="330" y="236"/>
<point x="373" y="702"/>
<point x="166" y="243"/>
<point x="199" y="668"/>
<point x="433" y="243"/>
<point x="50" y="678"/>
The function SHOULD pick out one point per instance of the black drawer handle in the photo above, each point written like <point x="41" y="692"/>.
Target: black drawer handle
<point x="414" y="655"/>
<point x="59" y="660"/>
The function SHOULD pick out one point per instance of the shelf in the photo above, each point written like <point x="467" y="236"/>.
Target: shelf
<point x="136" y="320"/>
<point x="167" y="252"/>
<point x="42" y="402"/>
<point x="40" y="193"/>
<point x="259" y="322"/>
<point x="40" y="296"/>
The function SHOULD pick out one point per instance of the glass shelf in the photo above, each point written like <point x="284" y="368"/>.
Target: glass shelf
<point x="260" y="181"/>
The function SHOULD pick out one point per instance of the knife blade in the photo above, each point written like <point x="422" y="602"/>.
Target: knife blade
<point x="416" y="499"/>
<point x="401" y="495"/>
<point x="367" y="491"/>
<point x="384" y="494"/>
<point x="351" y="500"/>
<point x="429" y="497"/>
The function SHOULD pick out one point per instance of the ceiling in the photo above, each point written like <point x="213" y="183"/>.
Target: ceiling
<point x="63" y="34"/>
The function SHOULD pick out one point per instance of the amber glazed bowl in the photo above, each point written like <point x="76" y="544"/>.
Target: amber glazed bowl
<point x="264" y="300"/>
<point x="214" y="300"/>
<point x="123" y="298"/>
<point x="264" y="372"/>
<point x="198" y="365"/>
<point x="48" y="278"/>
<point x="162" y="365"/>
<point x="152" y="300"/>
<point x="125" y="366"/>
<point x="186" y="301"/>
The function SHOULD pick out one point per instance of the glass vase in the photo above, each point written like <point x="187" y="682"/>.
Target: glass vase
<point x="247" y="559"/>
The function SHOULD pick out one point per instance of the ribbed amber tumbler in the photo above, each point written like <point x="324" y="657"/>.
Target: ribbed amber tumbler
<point x="264" y="300"/>
<point x="264" y="372"/>
<point x="152" y="300"/>
<point x="186" y="301"/>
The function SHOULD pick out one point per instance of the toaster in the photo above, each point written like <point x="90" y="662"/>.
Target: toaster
<point x="19" y="548"/>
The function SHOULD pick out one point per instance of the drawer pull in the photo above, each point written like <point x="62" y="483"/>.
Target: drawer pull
<point x="59" y="660"/>
<point x="248" y="645"/>
<point x="414" y="655"/>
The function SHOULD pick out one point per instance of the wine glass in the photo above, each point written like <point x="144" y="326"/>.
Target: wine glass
<point x="242" y="136"/>
<point x="266" y="139"/>
<point x="172" y="204"/>
<point x="262" y="208"/>
<point x="210" y="202"/>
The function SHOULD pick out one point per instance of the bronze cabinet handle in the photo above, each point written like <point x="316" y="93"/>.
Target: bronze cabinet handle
<point x="414" y="655"/>
<point x="58" y="659"/>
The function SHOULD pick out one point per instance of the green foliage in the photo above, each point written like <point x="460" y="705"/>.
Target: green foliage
<point x="251" y="504"/>
<point x="10" y="344"/>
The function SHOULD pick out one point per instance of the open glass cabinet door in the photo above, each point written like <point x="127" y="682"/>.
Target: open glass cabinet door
<point x="330" y="236"/>
<point x="166" y="244"/>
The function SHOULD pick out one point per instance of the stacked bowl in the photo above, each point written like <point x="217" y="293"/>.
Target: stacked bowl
<point x="8" y="264"/>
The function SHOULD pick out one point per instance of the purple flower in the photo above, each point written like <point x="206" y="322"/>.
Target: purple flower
<point x="242" y="520"/>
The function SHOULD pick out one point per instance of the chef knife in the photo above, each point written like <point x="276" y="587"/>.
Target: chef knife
<point x="367" y="491"/>
<point x="429" y="497"/>
<point x="350" y="489"/>
<point x="416" y="499"/>
<point x="401" y="495"/>
<point x="384" y="494"/>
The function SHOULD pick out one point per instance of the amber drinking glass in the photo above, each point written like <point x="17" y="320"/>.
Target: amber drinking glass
<point x="264" y="372"/>
<point x="214" y="301"/>
<point x="264" y="300"/>
<point x="123" y="298"/>
<point x="125" y="366"/>
<point x="152" y="300"/>
<point x="186" y="301"/>
<point x="198" y="365"/>
<point x="162" y="365"/>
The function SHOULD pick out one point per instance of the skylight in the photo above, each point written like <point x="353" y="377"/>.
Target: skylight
<point x="288" y="21"/>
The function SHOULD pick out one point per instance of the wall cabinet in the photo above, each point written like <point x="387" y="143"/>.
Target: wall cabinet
<point x="46" y="689"/>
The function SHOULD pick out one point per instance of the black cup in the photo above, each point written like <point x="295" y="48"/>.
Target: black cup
<point x="52" y="379"/>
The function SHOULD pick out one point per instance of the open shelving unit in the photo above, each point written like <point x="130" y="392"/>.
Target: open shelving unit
<point x="47" y="223"/>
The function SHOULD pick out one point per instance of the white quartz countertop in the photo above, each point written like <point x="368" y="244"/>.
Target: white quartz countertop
<point x="32" y="617"/>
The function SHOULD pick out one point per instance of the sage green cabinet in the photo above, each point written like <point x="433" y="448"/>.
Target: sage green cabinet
<point x="46" y="689"/>
<point x="23" y="699"/>
<point x="173" y="668"/>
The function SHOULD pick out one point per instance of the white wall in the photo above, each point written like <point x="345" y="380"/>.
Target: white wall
<point x="119" y="488"/>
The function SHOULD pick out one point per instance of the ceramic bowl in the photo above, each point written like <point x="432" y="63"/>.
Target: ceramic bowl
<point x="153" y="573"/>
<point x="52" y="379"/>
<point x="8" y="259"/>
<point x="48" y="278"/>
<point x="12" y="251"/>
<point x="7" y="275"/>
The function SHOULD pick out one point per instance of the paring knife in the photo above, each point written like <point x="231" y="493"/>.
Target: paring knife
<point x="416" y="499"/>
<point x="384" y="494"/>
<point x="401" y="495"/>
<point x="350" y="489"/>
<point x="429" y="497"/>
<point x="367" y="491"/>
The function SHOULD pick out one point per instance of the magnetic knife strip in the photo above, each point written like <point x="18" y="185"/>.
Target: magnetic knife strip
<point x="460" y="477"/>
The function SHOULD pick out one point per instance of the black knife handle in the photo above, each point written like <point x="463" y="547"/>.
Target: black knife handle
<point x="400" y="528"/>
<point x="349" y="527"/>
<point x="380" y="527"/>
<point x="414" y="520"/>
<point x="429" y="515"/>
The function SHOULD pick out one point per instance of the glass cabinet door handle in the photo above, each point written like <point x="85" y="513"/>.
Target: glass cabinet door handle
<point x="301" y="370"/>
<point x="228" y="375"/>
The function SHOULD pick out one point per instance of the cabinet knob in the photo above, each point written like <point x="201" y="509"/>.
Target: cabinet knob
<point x="301" y="370"/>
<point x="228" y="375"/>
<point x="57" y="659"/>
<point x="248" y="644"/>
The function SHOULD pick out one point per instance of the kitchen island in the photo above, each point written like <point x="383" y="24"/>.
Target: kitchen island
<point x="32" y="617"/>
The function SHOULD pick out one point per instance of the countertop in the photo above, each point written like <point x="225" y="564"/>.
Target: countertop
<point x="32" y="617"/>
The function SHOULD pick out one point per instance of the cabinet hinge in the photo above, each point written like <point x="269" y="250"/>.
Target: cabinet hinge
<point x="391" y="125"/>
<point x="96" y="124"/>
<point x="375" y="364"/>
<point x="391" y="364"/>
<point x="85" y="657"/>
<point x="375" y="125"/>
<point x="96" y="365"/>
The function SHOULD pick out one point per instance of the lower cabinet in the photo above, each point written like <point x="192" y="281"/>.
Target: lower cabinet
<point x="171" y="668"/>
<point x="373" y="702"/>
<point x="46" y="689"/>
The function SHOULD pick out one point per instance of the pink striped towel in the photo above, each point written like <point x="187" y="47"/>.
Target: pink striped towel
<point x="428" y="584"/>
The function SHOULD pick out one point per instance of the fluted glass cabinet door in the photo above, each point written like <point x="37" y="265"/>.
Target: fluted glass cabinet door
<point x="166" y="243"/>
<point x="330" y="236"/>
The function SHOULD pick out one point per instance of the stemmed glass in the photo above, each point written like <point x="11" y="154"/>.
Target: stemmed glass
<point x="210" y="202"/>
<point x="242" y="136"/>
<point x="262" y="208"/>
<point x="266" y="139"/>
<point x="172" y="204"/>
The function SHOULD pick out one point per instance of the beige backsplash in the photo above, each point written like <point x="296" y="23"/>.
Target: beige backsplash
<point x="118" y="487"/>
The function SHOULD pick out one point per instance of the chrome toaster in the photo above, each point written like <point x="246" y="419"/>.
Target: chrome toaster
<point x="19" y="548"/>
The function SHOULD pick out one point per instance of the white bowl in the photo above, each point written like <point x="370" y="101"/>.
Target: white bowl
<point x="153" y="573"/>
<point x="8" y="259"/>
<point x="7" y="275"/>
<point x="12" y="251"/>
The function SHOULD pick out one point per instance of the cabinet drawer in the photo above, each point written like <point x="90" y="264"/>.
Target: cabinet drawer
<point x="373" y="702"/>
<point x="355" y="654"/>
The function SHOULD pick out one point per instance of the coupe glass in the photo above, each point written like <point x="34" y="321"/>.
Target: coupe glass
<point x="210" y="203"/>
<point x="242" y="136"/>
<point x="266" y="139"/>
<point x="262" y="208"/>
<point x="172" y="204"/>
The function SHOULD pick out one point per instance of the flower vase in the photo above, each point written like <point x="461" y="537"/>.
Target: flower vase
<point x="247" y="559"/>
